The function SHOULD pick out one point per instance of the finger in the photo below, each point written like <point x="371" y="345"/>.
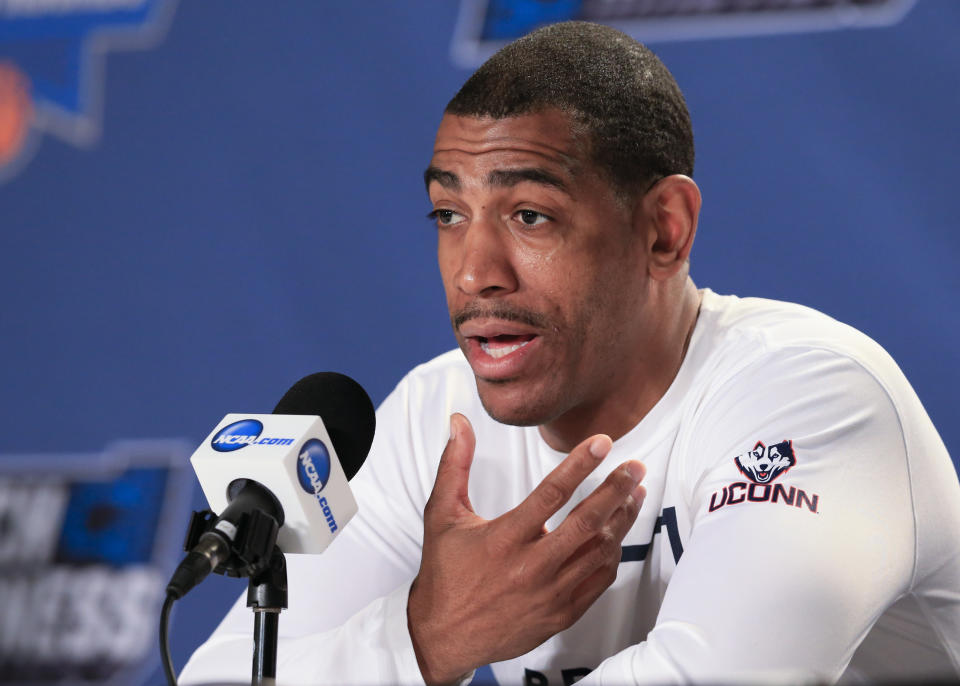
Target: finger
<point x="623" y="518"/>
<point x="592" y="513"/>
<point x="604" y="549"/>
<point x="527" y="519"/>
<point x="449" y="496"/>
<point x="588" y="590"/>
<point x="585" y="594"/>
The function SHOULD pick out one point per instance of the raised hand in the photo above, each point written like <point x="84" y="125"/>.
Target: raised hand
<point x="492" y="590"/>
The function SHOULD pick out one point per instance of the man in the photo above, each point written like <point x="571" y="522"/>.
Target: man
<point x="799" y="518"/>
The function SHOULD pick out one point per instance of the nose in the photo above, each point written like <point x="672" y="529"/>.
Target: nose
<point x="484" y="260"/>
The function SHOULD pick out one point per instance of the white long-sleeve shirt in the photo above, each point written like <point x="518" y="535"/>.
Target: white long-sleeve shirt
<point x="801" y="523"/>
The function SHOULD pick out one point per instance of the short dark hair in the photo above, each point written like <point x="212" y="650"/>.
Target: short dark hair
<point x="637" y="121"/>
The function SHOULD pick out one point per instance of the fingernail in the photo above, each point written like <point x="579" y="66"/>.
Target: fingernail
<point x="600" y="446"/>
<point x="453" y="429"/>
<point x="636" y="471"/>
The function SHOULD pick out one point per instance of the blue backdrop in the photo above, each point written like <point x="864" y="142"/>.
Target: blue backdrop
<point x="253" y="211"/>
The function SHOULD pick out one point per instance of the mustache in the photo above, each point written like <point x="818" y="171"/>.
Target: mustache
<point x="502" y="311"/>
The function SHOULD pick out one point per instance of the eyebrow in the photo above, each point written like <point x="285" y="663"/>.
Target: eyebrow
<point x="444" y="178"/>
<point x="503" y="178"/>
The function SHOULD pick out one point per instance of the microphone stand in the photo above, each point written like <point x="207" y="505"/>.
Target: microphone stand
<point x="267" y="596"/>
<point x="267" y="589"/>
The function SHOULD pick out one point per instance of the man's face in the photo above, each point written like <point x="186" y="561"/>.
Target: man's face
<point x="543" y="266"/>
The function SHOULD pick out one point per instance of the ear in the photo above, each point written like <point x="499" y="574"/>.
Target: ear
<point x="671" y="209"/>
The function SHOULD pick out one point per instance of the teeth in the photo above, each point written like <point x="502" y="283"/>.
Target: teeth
<point x="500" y="350"/>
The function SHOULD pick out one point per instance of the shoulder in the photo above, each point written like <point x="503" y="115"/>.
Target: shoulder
<point x="766" y="326"/>
<point x="784" y="372"/>
<point x="836" y="408"/>
<point x="798" y="403"/>
<point x="775" y="344"/>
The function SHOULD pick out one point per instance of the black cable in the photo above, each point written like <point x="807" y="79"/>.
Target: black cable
<point x="164" y="643"/>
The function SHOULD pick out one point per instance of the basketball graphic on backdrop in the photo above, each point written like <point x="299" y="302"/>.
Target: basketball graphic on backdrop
<point x="16" y="110"/>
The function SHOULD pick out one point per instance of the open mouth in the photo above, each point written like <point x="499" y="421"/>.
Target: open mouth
<point x="500" y="350"/>
<point x="504" y="344"/>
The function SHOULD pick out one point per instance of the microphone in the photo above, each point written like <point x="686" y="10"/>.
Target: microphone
<point x="279" y="478"/>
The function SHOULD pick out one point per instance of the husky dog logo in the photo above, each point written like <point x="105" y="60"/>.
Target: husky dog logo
<point x="764" y="464"/>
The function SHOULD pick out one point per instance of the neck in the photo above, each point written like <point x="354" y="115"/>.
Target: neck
<point x="636" y="389"/>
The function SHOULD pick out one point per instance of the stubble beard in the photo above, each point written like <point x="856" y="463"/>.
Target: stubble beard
<point x="525" y="414"/>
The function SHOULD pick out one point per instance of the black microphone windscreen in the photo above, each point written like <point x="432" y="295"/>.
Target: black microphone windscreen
<point x="345" y="408"/>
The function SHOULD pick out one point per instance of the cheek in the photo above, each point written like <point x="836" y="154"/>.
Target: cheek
<point x="542" y="274"/>
<point x="612" y="300"/>
<point x="556" y="265"/>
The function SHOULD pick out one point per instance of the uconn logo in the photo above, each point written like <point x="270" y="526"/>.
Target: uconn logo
<point x="762" y="465"/>
<point x="241" y="434"/>
<point x="313" y="472"/>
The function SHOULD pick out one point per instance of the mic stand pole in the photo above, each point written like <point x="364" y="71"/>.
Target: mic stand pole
<point x="267" y="595"/>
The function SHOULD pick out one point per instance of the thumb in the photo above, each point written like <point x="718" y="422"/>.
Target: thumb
<point x="453" y="474"/>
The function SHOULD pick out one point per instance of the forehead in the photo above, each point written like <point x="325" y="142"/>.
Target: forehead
<point x="546" y="139"/>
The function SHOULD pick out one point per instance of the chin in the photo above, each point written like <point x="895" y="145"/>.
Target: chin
<point x="515" y="409"/>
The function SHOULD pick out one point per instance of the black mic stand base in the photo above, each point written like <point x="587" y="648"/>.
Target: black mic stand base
<point x="267" y="596"/>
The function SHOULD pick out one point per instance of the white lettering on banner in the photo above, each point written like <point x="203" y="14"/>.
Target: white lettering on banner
<point x="78" y="616"/>
<point x="30" y="519"/>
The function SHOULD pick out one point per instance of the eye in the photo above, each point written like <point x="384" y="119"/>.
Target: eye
<point x="445" y="217"/>
<point x="531" y="217"/>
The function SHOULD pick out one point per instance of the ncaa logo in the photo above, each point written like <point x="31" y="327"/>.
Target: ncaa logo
<point x="313" y="466"/>
<point x="237" y="435"/>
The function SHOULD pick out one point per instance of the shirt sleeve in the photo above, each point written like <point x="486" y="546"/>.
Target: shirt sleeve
<point x="347" y="616"/>
<point x="780" y="581"/>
